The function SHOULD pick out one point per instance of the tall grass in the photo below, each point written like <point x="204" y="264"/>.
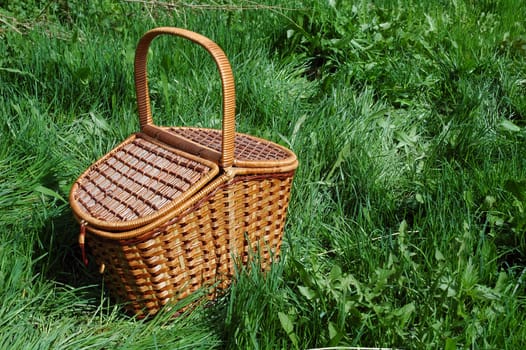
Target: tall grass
<point x="407" y="221"/>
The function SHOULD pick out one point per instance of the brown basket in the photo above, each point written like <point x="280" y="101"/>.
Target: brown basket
<point x="173" y="209"/>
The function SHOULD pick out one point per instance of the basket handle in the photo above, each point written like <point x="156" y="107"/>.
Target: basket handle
<point x="227" y="83"/>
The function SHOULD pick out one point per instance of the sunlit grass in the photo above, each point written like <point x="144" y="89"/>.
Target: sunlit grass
<point x="407" y="222"/>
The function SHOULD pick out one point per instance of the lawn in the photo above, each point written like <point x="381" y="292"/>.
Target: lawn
<point x="407" y="221"/>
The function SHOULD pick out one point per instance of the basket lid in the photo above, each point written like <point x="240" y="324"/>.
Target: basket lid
<point x="249" y="151"/>
<point x="137" y="182"/>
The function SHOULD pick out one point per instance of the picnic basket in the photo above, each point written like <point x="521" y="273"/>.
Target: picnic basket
<point x="173" y="209"/>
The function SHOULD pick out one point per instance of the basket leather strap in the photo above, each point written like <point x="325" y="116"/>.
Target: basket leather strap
<point x="227" y="83"/>
<point x="82" y="239"/>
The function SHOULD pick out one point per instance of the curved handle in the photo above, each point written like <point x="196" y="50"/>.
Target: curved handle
<point x="227" y="83"/>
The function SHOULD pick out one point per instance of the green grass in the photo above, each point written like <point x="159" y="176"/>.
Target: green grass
<point x="407" y="223"/>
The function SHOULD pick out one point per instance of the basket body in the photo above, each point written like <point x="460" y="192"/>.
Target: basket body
<point x="172" y="210"/>
<point x="199" y="247"/>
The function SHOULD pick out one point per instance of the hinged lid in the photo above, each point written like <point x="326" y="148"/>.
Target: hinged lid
<point x="136" y="183"/>
<point x="249" y="151"/>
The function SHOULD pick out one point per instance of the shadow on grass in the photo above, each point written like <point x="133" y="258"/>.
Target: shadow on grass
<point x="60" y="258"/>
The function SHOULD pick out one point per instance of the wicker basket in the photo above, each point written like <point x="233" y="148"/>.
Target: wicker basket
<point x="174" y="209"/>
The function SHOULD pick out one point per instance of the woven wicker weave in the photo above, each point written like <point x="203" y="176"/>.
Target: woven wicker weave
<point x="174" y="209"/>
